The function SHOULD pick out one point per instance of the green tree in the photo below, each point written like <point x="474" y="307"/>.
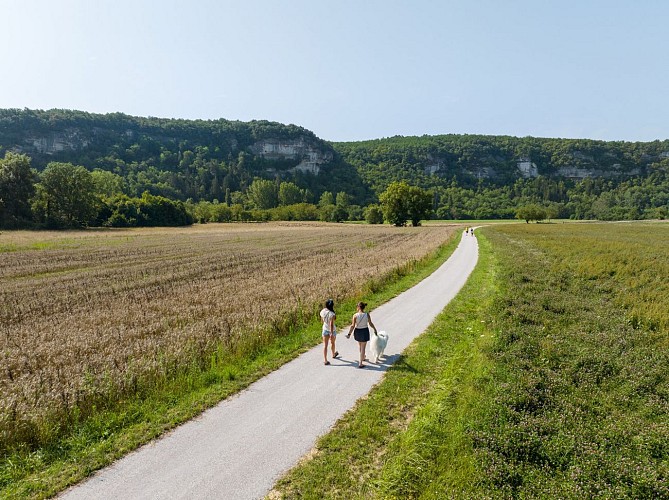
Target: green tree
<point x="107" y="183"/>
<point x="343" y="207"/>
<point x="343" y="200"/>
<point x="329" y="211"/>
<point x="354" y="212"/>
<point x="394" y="203"/>
<point x="531" y="212"/>
<point x="420" y="204"/>
<point x="305" y="211"/>
<point x="327" y="198"/>
<point x="332" y="213"/>
<point x="263" y="194"/>
<point x="66" y="196"/>
<point x="17" y="186"/>
<point x="401" y="202"/>
<point x="373" y="214"/>
<point x="290" y="194"/>
<point x="553" y="211"/>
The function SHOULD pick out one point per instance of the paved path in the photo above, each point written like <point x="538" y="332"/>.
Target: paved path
<point x="238" y="449"/>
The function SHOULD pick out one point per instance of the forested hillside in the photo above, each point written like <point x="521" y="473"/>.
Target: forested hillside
<point x="178" y="159"/>
<point x="229" y="170"/>
<point x="497" y="160"/>
<point x="474" y="176"/>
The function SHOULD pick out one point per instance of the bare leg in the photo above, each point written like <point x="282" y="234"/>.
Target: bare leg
<point x="362" y="352"/>
<point x="332" y="343"/>
<point x="326" y="340"/>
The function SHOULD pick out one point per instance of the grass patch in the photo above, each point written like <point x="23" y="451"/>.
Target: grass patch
<point x="580" y="398"/>
<point x="127" y="422"/>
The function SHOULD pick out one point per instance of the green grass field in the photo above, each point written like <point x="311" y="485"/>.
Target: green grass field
<point x="545" y="378"/>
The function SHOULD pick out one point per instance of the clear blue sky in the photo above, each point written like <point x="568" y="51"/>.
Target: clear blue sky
<point x="350" y="69"/>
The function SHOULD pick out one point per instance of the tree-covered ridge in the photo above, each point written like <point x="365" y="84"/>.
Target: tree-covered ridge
<point x="176" y="158"/>
<point x="106" y="133"/>
<point x="431" y="161"/>
<point x="235" y="171"/>
<point x="478" y="177"/>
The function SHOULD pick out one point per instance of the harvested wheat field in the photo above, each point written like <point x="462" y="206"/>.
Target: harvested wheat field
<point x="89" y="312"/>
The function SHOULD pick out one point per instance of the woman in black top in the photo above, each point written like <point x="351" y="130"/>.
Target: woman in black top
<point x="360" y="328"/>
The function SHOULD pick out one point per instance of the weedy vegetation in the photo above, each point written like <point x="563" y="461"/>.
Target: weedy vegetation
<point x="580" y="406"/>
<point x="545" y="378"/>
<point x="105" y="331"/>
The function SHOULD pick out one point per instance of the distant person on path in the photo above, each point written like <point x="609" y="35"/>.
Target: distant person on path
<point x="360" y="327"/>
<point x="329" y="332"/>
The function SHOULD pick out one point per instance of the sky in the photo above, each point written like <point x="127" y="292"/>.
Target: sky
<point x="350" y="69"/>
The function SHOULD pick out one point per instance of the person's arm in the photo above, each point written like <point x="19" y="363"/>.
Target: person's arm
<point x="369" y="320"/>
<point x="332" y="323"/>
<point x="350" y="330"/>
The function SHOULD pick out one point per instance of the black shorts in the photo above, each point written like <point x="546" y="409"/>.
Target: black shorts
<point x="361" y="334"/>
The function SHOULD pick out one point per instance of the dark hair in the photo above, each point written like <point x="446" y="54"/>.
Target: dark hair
<point x="329" y="304"/>
<point x="362" y="305"/>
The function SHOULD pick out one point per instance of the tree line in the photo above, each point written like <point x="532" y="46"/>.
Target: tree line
<point x="69" y="196"/>
<point x="66" y="195"/>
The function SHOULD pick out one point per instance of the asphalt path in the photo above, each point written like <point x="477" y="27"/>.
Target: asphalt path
<point x="239" y="448"/>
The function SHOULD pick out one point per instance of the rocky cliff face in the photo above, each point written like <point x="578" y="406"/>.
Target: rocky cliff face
<point x="583" y="167"/>
<point x="308" y="155"/>
<point x="53" y="142"/>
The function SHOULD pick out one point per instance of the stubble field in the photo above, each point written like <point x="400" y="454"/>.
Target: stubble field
<point x="87" y="314"/>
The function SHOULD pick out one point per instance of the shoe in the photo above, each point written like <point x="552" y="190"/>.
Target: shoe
<point x="336" y="354"/>
<point x="361" y="366"/>
<point x="326" y="363"/>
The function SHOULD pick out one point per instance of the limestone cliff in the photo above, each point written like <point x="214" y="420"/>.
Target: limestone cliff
<point x="51" y="142"/>
<point x="82" y="138"/>
<point x="308" y="155"/>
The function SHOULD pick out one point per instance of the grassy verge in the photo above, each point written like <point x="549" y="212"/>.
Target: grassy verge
<point x="580" y="403"/>
<point x="410" y="435"/>
<point x="116" y="430"/>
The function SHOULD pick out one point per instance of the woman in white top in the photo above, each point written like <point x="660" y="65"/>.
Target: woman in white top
<point x="360" y="327"/>
<point x="328" y="317"/>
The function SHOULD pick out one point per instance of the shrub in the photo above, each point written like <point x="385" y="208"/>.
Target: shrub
<point x="148" y="210"/>
<point x="373" y="214"/>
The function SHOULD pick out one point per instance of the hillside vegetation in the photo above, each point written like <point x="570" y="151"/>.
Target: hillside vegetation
<point x="175" y="158"/>
<point x="480" y="177"/>
<point x="470" y="158"/>
<point x="223" y="163"/>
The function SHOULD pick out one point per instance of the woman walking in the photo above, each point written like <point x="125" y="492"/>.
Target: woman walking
<point x="360" y="327"/>
<point x="328" y="317"/>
